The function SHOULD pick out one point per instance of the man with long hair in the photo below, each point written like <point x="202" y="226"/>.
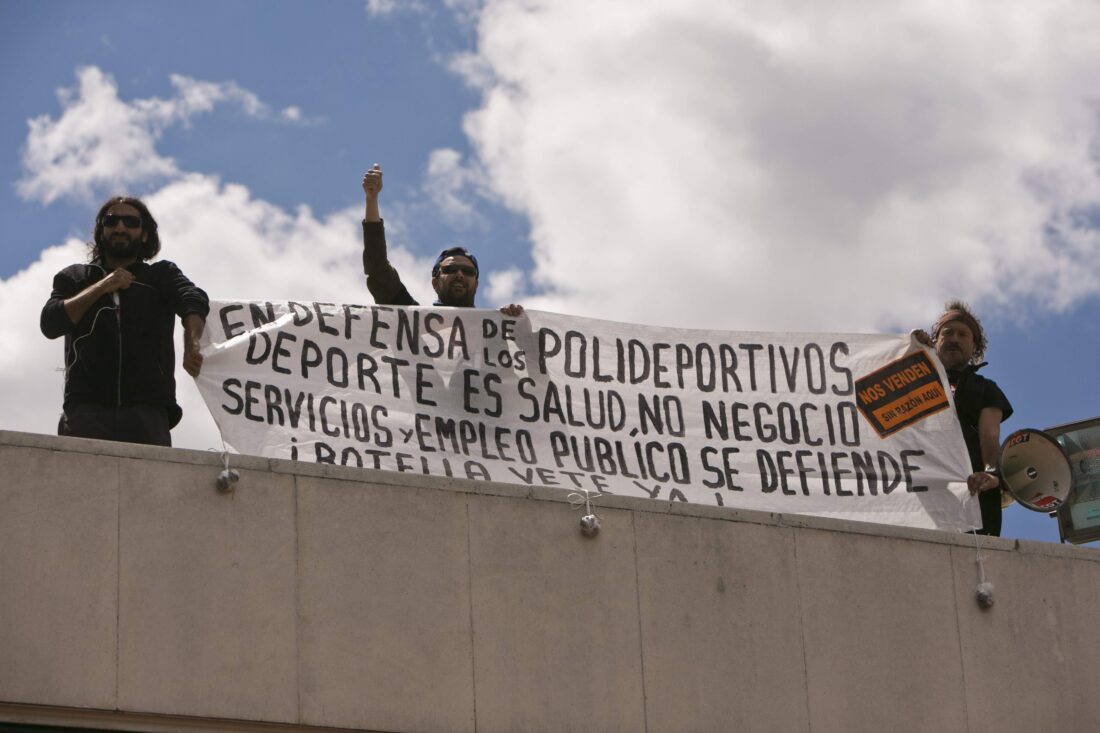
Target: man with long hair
<point x="960" y="343"/>
<point x="117" y="313"/>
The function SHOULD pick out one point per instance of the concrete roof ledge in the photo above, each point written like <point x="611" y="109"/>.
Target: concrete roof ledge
<point x="135" y="596"/>
<point x="535" y="493"/>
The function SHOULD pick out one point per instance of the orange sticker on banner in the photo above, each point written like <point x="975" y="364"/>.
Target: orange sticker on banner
<point x="901" y="393"/>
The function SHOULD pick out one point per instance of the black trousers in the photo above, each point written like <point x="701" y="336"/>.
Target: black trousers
<point x="990" y="503"/>
<point x="147" y="424"/>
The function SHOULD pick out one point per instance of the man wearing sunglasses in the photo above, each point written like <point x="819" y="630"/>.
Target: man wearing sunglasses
<point x="117" y="314"/>
<point x="454" y="275"/>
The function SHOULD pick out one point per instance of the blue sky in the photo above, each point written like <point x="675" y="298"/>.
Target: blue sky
<point x="735" y="165"/>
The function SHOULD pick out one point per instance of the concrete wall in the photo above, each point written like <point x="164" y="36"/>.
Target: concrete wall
<point x="134" y="596"/>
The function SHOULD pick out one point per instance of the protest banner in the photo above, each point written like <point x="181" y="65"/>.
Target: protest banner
<point x="839" y="425"/>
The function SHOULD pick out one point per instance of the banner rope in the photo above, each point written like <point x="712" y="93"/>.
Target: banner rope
<point x="984" y="591"/>
<point x="227" y="478"/>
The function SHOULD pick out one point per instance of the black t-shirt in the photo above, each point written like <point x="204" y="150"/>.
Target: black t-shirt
<point x="973" y="393"/>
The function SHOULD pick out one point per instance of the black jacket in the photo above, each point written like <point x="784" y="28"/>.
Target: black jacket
<point x="125" y="357"/>
<point x="383" y="282"/>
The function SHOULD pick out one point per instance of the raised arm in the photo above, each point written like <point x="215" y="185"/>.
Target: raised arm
<point x="383" y="282"/>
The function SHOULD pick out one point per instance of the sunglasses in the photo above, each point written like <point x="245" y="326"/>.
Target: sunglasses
<point x="131" y="222"/>
<point x="464" y="269"/>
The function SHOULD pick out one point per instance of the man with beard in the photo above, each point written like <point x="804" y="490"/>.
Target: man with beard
<point x="117" y="314"/>
<point x="454" y="275"/>
<point x="960" y="343"/>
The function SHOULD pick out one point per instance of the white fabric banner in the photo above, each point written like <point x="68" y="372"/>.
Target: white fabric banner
<point x="839" y="425"/>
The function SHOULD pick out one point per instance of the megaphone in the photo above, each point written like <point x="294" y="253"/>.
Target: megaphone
<point x="1035" y="470"/>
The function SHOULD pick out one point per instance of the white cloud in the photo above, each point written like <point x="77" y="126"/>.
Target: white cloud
<point x="99" y="140"/>
<point x="102" y="142"/>
<point x="389" y="7"/>
<point x="505" y="286"/>
<point x="809" y="166"/>
<point x="31" y="376"/>
<point x="381" y="7"/>
<point x="464" y="10"/>
<point x="452" y="186"/>
<point x="194" y="96"/>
